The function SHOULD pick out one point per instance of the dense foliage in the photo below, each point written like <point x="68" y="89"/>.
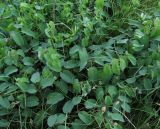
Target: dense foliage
<point x="79" y="64"/>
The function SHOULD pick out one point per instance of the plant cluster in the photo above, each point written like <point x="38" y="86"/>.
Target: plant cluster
<point x="91" y="64"/>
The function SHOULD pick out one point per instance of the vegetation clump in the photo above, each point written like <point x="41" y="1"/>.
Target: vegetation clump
<point x="91" y="64"/>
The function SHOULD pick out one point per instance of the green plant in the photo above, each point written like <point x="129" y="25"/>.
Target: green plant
<point x="79" y="64"/>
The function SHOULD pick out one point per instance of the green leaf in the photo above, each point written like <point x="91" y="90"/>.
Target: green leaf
<point x="99" y="94"/>
<point x="99" y="4"/>
<point x="4" y="123"/>
<point x="28" y="61"/>
<point x="74" y="50"/>
<point x="9" y="70"/>
<point x="2" y="9"/>
<point x="143" y="72"/>
<point x="68" y="106"/>
<point x="78" y="124"/>
<point x="99" y="118"/>
<point x="115" y="66"/>
<point x="62" y="127"/>
<point x="76" y="87"/>
<point x="54" y="98"/>
<point x="35" y="77"/>
<point x="62" y="86"/>
<point x="93" y="73"/>
<point x="137" y="46"/>
<point x="85" y="117"/>
<point x="32" y="101"/>
<point x="123" y="64"/>
<point x="45" y="82"/>
<point x="131" y="80"/>
<point x="112" y="90"/>
<point x="126" y="107"/>
<point x="83" y="55"/>
<point x="107" y="70"/>
<point x="108" y="100"/>
<point x="4" y="102"/>
<point x="4" y="86"/>
<point x="17" y="37"/>
<point x="52" y="59"/>
<point x="67" y="76"/>
<point x="117" y="117"/>
<point x="52" y="120"/>
<point x="132" y="59"/>
<point x="61" y="119"/>
<point x="31" y="89"/>
<point x="71" y="64"/>
<point x="147" y="84"/>
<point x="124" y="99"/>
<point x="136" y="2"/>
<point x="26" y="30"/>
<point x="76" y="100"/>
<point x="90" y="103"/>
<point x="39" y="117"/>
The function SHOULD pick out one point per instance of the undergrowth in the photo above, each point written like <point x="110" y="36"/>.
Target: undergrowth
<point x="92" y="64"/>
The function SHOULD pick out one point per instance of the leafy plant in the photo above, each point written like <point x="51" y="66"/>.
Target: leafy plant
<point x="79" y="64"/>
